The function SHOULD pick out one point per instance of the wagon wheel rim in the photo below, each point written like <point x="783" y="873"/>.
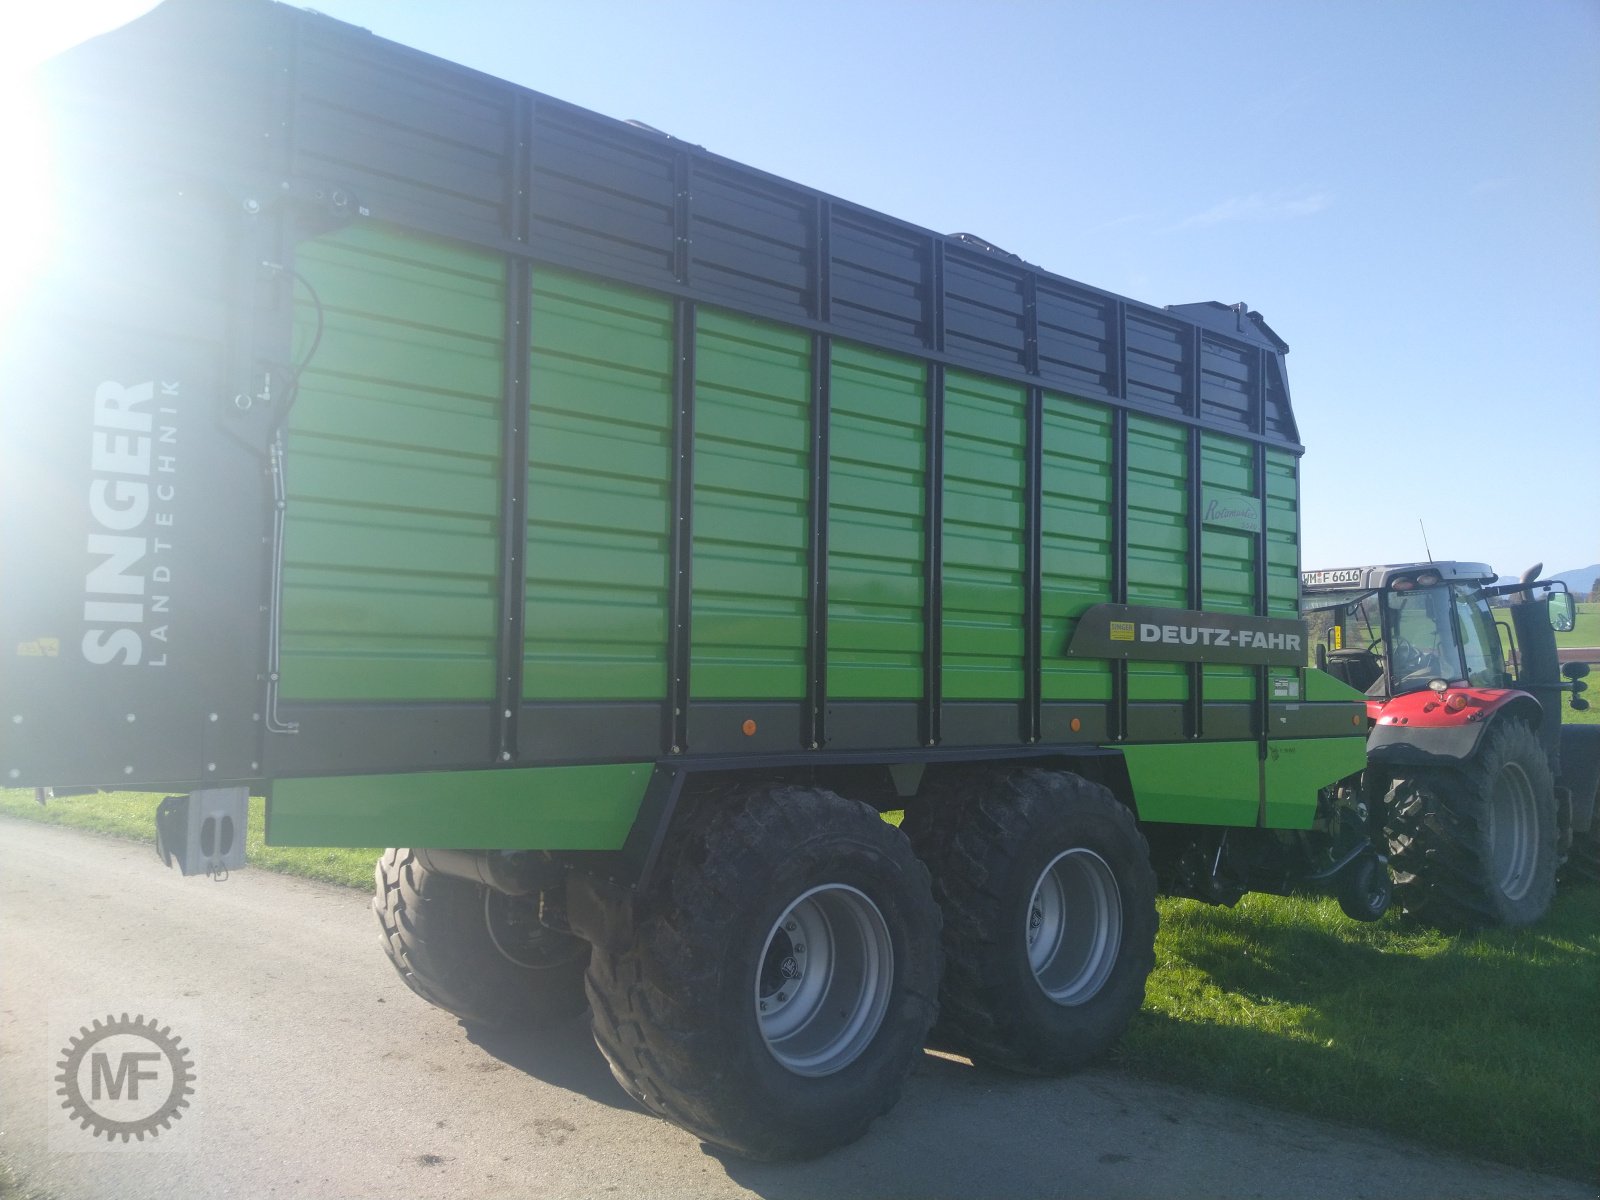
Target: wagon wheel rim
<point x="823" y="982"/>
<point x="1073" y="927"/>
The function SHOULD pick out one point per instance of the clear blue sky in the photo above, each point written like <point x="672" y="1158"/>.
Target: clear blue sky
<point x="1408" y="192"/>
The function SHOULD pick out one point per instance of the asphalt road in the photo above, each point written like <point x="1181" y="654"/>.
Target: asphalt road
<point x="318" y="1074"/>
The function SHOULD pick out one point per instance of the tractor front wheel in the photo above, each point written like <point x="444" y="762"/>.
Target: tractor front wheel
<point x="1475" y="846"/>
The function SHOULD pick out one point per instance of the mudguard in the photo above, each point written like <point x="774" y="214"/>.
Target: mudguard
<point x="1419" y="729"/>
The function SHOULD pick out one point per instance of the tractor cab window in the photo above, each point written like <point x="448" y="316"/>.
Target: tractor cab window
<point x="1348" y="641"/>
<point x="1480" y="641"/>
<point x="1422" y="639"/>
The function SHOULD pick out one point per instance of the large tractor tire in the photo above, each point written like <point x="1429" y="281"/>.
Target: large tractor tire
<point x="780" y="977"/>
<point x="1049" y="915"/>
<point x="1475" y="846"/>
<point x="476" y="952"/>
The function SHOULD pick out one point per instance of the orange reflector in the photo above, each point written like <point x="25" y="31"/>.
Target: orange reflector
<point x="1356" y="720"/>
<point x="1076" y="724"/>
<point x="1455" y="702"/>
<point x="749" y="728"/>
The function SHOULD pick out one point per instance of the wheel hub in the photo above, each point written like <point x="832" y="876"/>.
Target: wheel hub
<point x="823" y="984"/>
<point x="518" y="934"/>
<point x="1513" y="829"/>
<point x="1074" y="927"/>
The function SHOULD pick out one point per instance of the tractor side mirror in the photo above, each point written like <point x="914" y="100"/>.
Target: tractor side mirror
<point x="1561" y="618"/>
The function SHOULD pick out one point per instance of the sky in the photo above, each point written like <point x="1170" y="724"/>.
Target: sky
<point x="1408" y="192"/>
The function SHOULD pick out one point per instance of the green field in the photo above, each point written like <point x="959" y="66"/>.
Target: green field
<point x="1586" y="629"/>
<point x="1478" y="1045"/>
<point x="1482" y="1045"/>
<point x="1585" y="633"/>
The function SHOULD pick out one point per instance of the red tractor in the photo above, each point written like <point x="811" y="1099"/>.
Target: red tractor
<point x="1472" y="783"/>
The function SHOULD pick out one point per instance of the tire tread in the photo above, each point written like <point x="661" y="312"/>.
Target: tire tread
<point x="1437" y="836"/>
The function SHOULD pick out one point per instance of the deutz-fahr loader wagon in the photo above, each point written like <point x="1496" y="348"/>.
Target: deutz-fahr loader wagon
<point x="627" y="531"/>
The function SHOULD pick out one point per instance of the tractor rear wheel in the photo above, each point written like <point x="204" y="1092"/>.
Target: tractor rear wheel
<point x="1049" y="915"/>
<point x="1475" y="846"/>
<point x="775" y="984"/>
<point x="475" y="952"/>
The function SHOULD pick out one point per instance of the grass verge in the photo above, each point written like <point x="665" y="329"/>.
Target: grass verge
<point x="1481" y="1045"/>
<point x="133" y="815"/>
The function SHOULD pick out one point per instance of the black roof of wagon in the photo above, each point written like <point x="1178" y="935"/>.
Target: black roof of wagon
<point x="258" y="99"/>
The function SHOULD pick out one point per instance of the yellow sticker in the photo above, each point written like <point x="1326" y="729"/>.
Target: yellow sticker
<point x="1122" y="631"/>
<point x="40" y="648"/>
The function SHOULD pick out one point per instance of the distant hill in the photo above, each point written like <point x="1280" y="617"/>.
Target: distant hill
<point x="1579" y="580"/>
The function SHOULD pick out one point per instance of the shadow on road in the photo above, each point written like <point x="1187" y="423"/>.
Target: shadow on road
<point x="963" y="1131"/>
<point x="564" y="1056"/>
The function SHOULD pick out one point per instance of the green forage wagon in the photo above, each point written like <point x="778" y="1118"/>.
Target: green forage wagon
<point x="625" y="530"/>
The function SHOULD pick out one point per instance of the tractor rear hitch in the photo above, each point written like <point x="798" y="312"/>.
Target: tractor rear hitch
<point x="1355" y="852"/>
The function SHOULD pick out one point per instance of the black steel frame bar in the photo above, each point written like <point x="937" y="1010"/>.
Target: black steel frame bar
<point x="1263" y="696"/>
<point x="1032" y="553"/>
<point x="1119" y="564"/>
<point x="1195" y="708"/>
<point x="1033" y="520"/>
<point x="933" y="560"/>
<point x="817" y="545"/>
<point x="680" y="600"/>
<point x="516" y="369"/>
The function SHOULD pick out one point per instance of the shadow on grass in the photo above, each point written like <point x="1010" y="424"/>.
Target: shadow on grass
<point x="1481" y="1045"/>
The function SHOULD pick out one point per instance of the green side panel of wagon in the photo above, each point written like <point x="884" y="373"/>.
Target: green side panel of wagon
<point x="1206" y="783"/>
<point x="1158" y="542"/>
<point x="548" y="808"/>
<point x="1283" y="534"/>
<point x="599" y="492"/>
<point x="1074" y="541"/>
<point x="392" y="461"/>
<point x="752" y="455"/>
<point x="984" y="522"/>
<point x="1282" y="487"/>
<point x="876" y="525"/>
<point x="1297" y="767"/>
<point x="1227" y="556"/>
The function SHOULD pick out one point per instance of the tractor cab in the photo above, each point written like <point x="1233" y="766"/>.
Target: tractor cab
<point x="1389" y="630"/>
